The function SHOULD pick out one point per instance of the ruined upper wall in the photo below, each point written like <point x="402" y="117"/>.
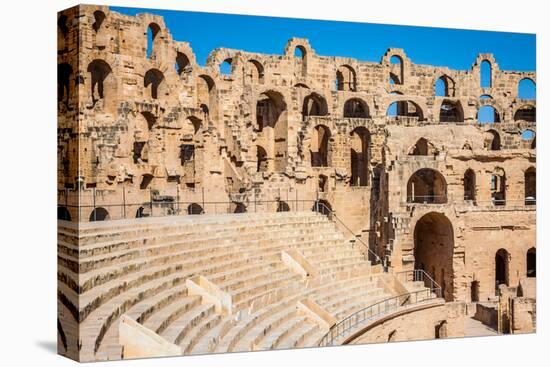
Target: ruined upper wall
<point x="105" y="32"/>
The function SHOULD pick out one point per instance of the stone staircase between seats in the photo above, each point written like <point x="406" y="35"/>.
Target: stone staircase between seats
<point x="140" y="267"/>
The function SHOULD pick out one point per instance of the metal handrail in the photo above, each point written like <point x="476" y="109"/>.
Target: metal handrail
<point x="385" y="306"/>
<point x="332" y="214"/>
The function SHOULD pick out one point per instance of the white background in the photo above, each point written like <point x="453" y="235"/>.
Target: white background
<point x="28" y="180"/>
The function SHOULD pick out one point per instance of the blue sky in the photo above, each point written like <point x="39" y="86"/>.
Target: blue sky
<point x="454" y="48"/>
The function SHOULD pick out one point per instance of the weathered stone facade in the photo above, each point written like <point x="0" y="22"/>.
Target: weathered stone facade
<point x="149" y="132"/>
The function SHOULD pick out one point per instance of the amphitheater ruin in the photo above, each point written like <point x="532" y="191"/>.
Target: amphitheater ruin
<point x="283" y="201"/>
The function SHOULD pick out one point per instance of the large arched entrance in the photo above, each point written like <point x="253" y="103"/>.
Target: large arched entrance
<point x="433" y="250"/>
<point x="427" y="186"/>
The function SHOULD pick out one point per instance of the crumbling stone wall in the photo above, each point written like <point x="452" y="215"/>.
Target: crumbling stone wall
<point x="145" y="130"/>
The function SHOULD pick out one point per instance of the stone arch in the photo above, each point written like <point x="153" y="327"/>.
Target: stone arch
<point x="261" y="159"/>
<point x="498" y="187"/>
<point x="346" y="79"/>
<point x="531" y="262"/>
<point x="322" y="183"/>
<point x="406" y="108"/>
<point x="469" y="184"/>
<point x="444" y="86"/>
<point x="102" y="82"/>
<point x="101" y="36"/>
<point x="485" y="74"/>
<point x="526" y="113"/>
<point x="427" y="186"/>
<point x="422" y="147"/>
<point x="154" y="83"/>
<point x="434" y="250"/>
<point x="271" y="124"/>
<point x="530" y="186"/>
<point x="360" y="156"/>
<point x="314" y="105"/>
<point x="451" y="111"/>
<point x="239" y="208"/>
<point x="502" y="267"/>
<point x="153" y="40"/>
<point x="254" y="72"/>
<point x="492" y="140"/>
<point x="62" y="32"/>
<point x="356" y="108"/>
<point x="320" y="146"/>
<point x="194" y="209"/>
<point x="226" y="67"/>
<point x="143" y="124"/>
<point x="487" y="114"/>
<point x="183" y="64"/>
<point x="397" y="69"/>
<point x="527" y="89"/>
<point x="282" y="206"/>
<point x="99" y="214"/>
<point x="64" y="74"/>
<point x="63" y="213"/>
<point x="206" y="91"/>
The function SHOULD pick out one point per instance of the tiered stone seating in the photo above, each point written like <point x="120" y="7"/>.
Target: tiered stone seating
<point x="139" y="268"/>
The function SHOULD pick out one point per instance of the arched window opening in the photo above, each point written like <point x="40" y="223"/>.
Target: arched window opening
<point x="422" y="147"/>
<point x="63" y="213"/>
<point x="356" y="108"/>
<point x="300" y="52"/>
<point x="205" y="87"/>
<point x="142" y="212"/>
<point x="501" y="268"/>
<point x="153" y="82"/>
<point x="261" y="159"/>
<point x="323" y="183"/>
<point x="486" y="77"/>
<point x="526" y="113"/>
<point x="441" y="88"/>
<point x="427" y="186"/>
<point x="487" y="115"/>
<point x="433" y="250"/>
<point x="346" y="79"/>
<point x="62" y="32"/>
<point x="282" y="207"/>
<point x="441" y="330"/>
<point x="64" y="72"/>
<point x="271" y="125"/>
<point x="532" y="262"/>
<point x="99" y="71"/>
<point x="226" y="66"/>
<point x="314" y="105"/>
<point x="144" y="123"/>
<point x="492" y="140"/>
<point x="405" y="109"/>
<point x="255" y="72"/>
<point x="322" y="206"/>
<point x="360" y="157"/>
<point x="530" y="179"/>
<point x="451" y="111"/>
<point x="396" y="70"/>
<point x="99" y="17"/>
<point x="498" y="187"/>
<point x="99" y="214"/>
<point x="239" y="208"/>
<point x="320" y="146"/>
<point x="194" y="209"/>
<point x="152" y="40"/>
<point x="469" y="185"/>
<point x="527" y="89"/>
<point x="183" y="65"/>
